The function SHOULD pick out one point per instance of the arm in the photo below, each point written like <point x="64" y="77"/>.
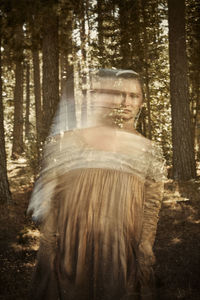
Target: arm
<point x="152" y="203"/>
<point x="153" y="195"/>
<point x="44" y="283"/>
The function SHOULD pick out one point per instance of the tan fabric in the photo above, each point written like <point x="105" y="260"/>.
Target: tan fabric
<point x="89" y="247"/>
<point x="98" y="197"/>
<point x="100" y="147"/>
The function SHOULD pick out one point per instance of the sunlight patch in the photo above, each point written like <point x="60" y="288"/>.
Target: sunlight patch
<point x="176" y="240"/>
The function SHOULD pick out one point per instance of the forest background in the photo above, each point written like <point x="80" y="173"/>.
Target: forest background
<point x="43" y="44"/>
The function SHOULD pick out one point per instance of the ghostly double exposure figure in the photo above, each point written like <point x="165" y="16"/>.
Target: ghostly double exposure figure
<point x="98" y="199"/>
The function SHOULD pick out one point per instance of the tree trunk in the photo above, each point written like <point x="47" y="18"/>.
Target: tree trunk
<point x="124" y="12"/>
<point x="100" y="33"/>
<point x="83" y="65"/>
<point x="183" y="146"/>
<point x="89" y="30"/>
<point x="37" y="92"/>
<point x="197" y="121"/>
<point x="62" y="72"/>
<point x="27" y="123"/>
<point x="18" y="98"/>
<point x="5" y="195"/>
<point x="50" y="67"/>
<point x="71" y="107"/>
<point x="197" y="132"/>
<point x="146" y="69"/>
<point x="193" y="43"/>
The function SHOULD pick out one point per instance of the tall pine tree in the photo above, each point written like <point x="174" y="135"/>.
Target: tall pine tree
<point x="183" y="146"/>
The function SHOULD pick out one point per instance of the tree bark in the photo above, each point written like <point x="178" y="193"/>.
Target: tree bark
<point x="5" y="195"/>
<point x="27" y="123"/>
<point x="193" y="43"/>
<point x="124" y="14"/>
<point x="183" y="146"/>
<point x="100" y="33"/>
<point x="62" y="71"/>
<point x="37" y="93"/>
<point x="18" y="98"/>
<point x="146" y="69"/>
<point x="50" y="67"/>
<point x="71" y="107"/>
<point x="83" y="65"/>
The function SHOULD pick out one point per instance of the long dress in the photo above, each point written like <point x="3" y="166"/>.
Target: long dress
<point x="99" y="211"/>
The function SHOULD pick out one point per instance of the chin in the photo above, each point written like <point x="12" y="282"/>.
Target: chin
<point x="127" y="116"/>
<point x="128" y="119"/>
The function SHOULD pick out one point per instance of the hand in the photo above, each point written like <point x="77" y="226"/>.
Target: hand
<point x="145" y="254"/>
<point x="146" y="260"/>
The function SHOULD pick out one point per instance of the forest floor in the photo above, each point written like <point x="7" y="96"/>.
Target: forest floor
<point x="177" y="246"/>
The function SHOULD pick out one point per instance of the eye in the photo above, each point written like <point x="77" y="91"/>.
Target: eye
<point x="133" y="95"/>
<point x="115" y="93"/>
<point x="123" y="94"/>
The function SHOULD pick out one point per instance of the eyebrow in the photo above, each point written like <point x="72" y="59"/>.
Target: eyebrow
<point x="132" y="94"/>
<point x="107" y="91"/>
<point x="113" y="92"/>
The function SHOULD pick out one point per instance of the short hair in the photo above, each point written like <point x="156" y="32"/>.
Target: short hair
<point x="119" y="73"/>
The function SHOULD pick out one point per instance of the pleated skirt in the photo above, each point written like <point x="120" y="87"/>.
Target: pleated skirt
<point x="90" y="237"/>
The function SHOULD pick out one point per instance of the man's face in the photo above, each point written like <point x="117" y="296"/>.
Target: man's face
<point x="122" y="94"/>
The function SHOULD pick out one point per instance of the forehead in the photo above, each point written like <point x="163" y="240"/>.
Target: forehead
<point x="129" y="85"/>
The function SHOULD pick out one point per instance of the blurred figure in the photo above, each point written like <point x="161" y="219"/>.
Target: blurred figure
<point x="98" y="198"/>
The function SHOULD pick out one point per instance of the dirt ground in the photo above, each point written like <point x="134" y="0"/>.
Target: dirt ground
<point x="177" y="246"/>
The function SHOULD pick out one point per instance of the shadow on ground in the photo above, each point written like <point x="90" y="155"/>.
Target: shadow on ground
<point x="177" y="246"/>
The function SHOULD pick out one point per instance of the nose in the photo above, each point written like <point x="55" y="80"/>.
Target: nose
<point x="126" y="100"/>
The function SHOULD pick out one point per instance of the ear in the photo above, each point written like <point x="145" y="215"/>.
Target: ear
<point x="141" y="106"/>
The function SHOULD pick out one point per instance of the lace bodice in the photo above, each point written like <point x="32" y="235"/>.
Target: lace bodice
<point x="101" y="147"/>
